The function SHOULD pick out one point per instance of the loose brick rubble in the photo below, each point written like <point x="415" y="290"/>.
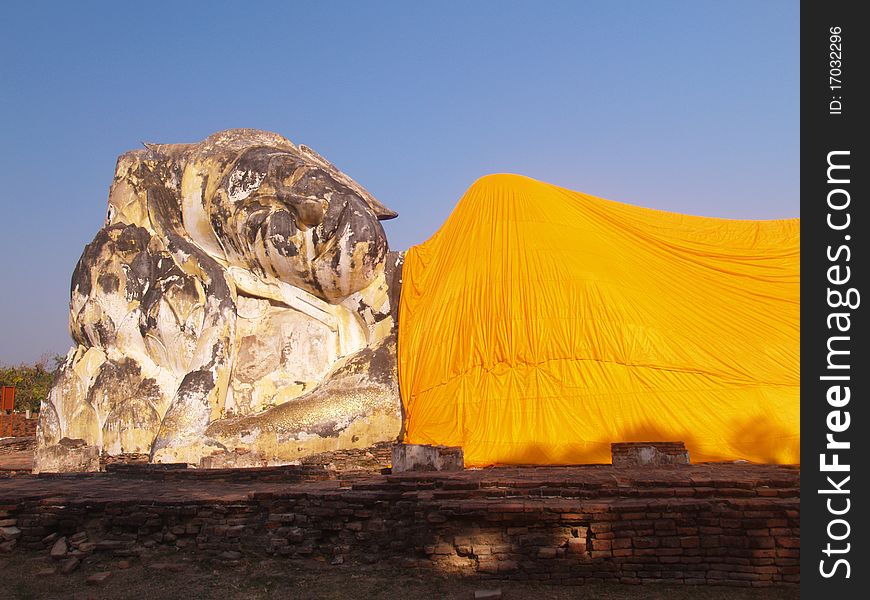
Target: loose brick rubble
<point x="733" y="524"/>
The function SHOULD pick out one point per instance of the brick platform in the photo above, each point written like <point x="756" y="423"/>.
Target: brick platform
<point x="731" y="524"/>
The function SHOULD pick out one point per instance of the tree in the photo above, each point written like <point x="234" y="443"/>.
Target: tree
<point x="32" y="382"/>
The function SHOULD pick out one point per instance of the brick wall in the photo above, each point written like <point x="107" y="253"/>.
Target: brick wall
<point x="705" y="524"/>
<point x="16" y="425"/>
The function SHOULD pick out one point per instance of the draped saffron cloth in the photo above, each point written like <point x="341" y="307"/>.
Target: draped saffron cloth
<point x="539" y="325"/>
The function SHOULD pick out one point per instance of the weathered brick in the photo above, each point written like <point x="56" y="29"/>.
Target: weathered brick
<point x="669" y="538"/>
<point x="487" y="566"/>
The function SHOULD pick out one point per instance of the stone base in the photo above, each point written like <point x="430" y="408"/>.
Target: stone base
<point x="67" y="456"/>
<point x="240" y="458"/>
<point x="639" y="454"/>
<point x="419" y="457"/>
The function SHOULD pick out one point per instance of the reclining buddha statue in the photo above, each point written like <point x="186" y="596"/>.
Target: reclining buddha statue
<point x="238" y="296"/>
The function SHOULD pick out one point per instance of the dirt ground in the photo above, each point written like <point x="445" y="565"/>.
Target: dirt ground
<point x="26" y="576"/>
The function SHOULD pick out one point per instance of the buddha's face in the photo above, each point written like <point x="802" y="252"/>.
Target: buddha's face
<point x="283" y="216"/>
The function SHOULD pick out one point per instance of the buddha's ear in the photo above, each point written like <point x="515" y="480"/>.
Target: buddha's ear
<point x="381" y="212"/>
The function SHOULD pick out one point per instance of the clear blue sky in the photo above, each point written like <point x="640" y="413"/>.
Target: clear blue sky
<point x="688" y="106"/>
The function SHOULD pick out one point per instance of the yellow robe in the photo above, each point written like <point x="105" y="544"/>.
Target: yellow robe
<point x="538" y="325"/>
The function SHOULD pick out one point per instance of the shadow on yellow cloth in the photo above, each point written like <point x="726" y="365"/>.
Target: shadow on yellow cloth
<point x="538" y="325"/>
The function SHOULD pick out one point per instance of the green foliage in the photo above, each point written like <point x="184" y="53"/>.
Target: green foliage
<point x="32" y="382"/>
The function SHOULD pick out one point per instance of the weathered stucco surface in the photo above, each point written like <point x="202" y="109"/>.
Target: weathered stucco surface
<point x="240" y="295"/>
